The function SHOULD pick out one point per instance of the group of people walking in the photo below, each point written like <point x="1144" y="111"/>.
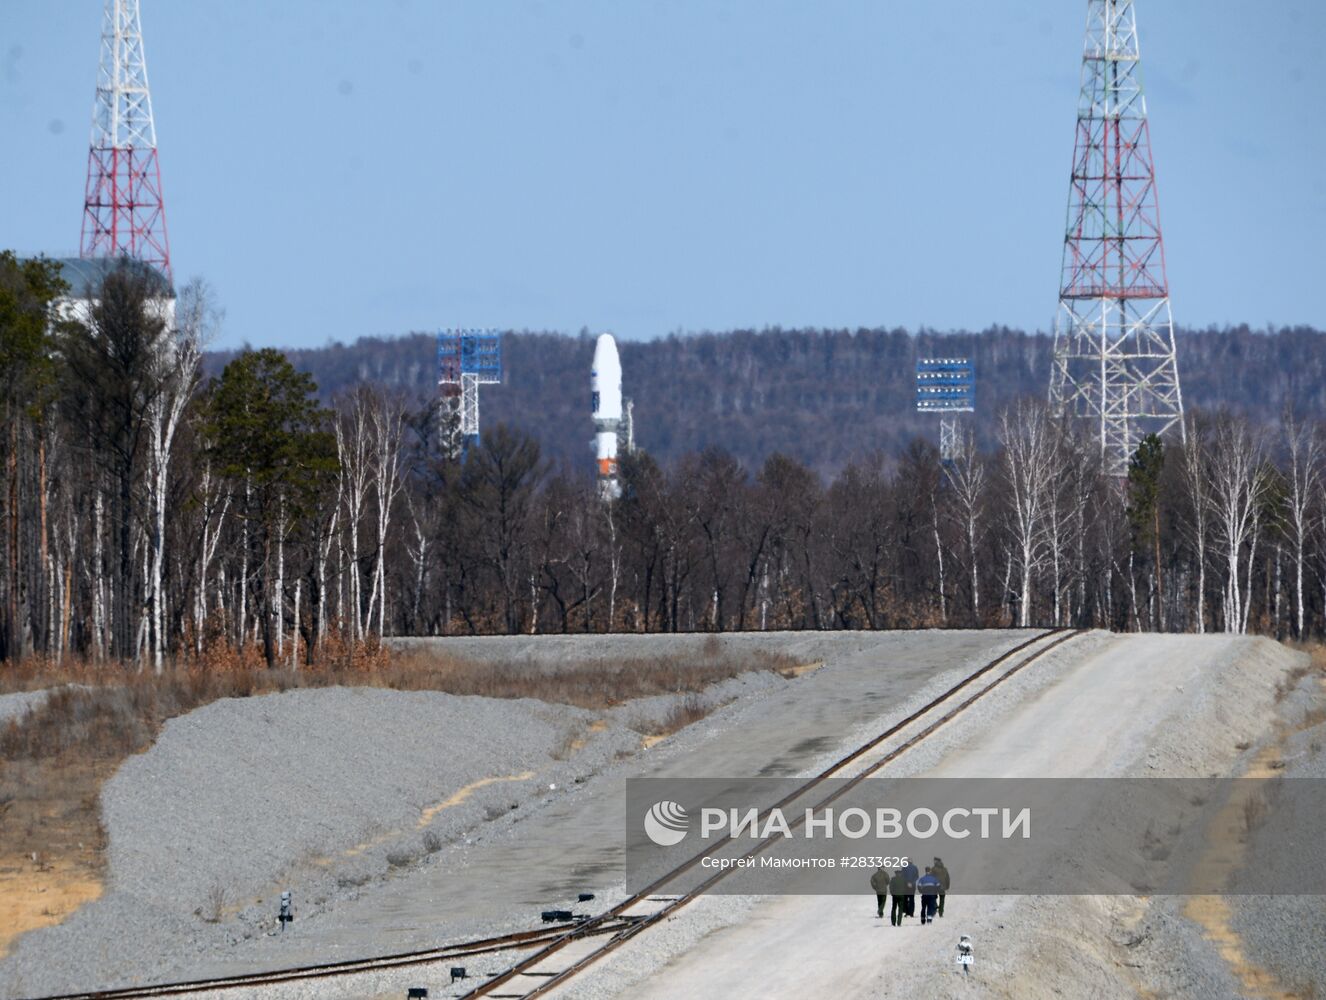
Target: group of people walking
<point x="903" y="885"/>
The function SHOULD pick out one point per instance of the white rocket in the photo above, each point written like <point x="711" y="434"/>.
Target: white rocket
<point x="605" y="382"/>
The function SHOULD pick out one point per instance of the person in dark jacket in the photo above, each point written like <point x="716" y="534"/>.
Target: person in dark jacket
<point x="900" y="892"/>
<point x="941" y="873"/>
<point x="928" y="886"/>
<point x="880" y="883"/>
<point x="911" y="872"/>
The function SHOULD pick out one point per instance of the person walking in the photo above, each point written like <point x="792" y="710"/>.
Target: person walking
<point x="900" y="893"/>
<point x="910" y="872"/>
<point x="941" y="873"/>
<point x="880" y="883"/>
<point x="928" y="886"/>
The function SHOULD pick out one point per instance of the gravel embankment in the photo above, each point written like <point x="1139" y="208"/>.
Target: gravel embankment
<point x="15" y="706"/>
<point x="1286" y="934"/>
<point x="319" y="790"/>
<point x="331" y="788"/>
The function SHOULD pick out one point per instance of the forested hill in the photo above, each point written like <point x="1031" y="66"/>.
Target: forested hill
<point x="822" y="396"/>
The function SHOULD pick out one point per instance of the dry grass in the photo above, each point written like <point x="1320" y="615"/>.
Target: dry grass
<point x="1292" y="678"/>
<point x="687" y="711"/>
<point x="1254" y="813"/>
<point x="585" y="684"/>
<point x="401" y="858"/>
<point x="214" y="904"/>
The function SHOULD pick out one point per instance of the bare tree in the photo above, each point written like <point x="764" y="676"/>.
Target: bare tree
<point x="1195" y="478"/>
<point x="386" y="422"/>
<point x="1029" y="468"/>
<point x="966" y="477"/>
<point x="175" y="374"/>
<point x="1302" y="481"/>
<point x="353" y="448"/>
<point x="213" y="501"/>
<point x="1236" y="484"/>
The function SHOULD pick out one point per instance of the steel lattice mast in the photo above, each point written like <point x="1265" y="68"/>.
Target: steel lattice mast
<point x="1114" y="357"/>
<point x="945" y="386"/>
<point x="466" y="359"/>
<point x="123" y="211"/>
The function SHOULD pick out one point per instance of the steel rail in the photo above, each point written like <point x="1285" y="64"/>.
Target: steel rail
<point x="641" y="923"/>
<point x="613" y="921"/>
<point x="461" y="949"/>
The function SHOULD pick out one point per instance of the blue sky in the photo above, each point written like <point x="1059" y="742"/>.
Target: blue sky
<point x="337" y="169"/>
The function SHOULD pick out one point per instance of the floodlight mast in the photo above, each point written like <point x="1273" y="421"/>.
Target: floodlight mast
<point x="466" y="359"/>
<point x="945" y="386"/>
<point x="1115" y="363"/>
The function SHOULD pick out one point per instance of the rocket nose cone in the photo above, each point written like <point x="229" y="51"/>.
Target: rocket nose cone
<point x="606" y="380"/>
<point x="605" y="354"/>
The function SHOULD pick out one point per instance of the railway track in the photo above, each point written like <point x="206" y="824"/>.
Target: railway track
<point x="464" y="949"/>
<point x="574" y="947"/>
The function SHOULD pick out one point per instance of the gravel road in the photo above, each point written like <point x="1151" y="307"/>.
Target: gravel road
<point x="1105" y="705"/>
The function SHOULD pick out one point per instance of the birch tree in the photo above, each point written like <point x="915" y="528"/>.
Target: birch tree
<point x="353" y="449"/>
<point x="1236" y="483"/>
<point x="1029" y="452"/>
<point x="386" y="421"/>
<point x="966" y="477"/>
<point x="1302" y="484"/>
<point x="175" y="375"/>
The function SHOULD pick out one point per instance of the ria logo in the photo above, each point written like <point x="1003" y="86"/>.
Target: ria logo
<point x="666" y="823"/>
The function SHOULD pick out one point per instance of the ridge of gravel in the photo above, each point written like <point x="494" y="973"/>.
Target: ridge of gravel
<point x="326" y="786"/>
<point x="1221" y="729"/>
<point x="17" y="704"/>
<point x="20" y="703"/>
<point x="188" y="815"/>
<point x="1284" y="934"/>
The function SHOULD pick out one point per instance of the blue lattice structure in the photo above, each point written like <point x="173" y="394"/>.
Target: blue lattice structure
<point x="945" y="386"/>
<point x="467" y="359"/>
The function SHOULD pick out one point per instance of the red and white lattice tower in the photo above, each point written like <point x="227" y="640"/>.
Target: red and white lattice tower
<point x="1114" y="358"/>
<point x="123" y="211"/>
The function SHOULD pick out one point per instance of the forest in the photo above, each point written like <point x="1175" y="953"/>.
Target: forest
<point x="162" y="505"/>
<point x="823" y="397"/>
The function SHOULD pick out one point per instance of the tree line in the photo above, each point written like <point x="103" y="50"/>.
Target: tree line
<point x="152" y="515"/>
<point x="823" y="397"/>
